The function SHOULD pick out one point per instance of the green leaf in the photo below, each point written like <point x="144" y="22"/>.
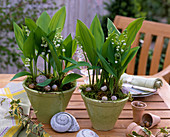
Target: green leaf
<point x="77" y="65"/>
<point x="106" y="65"/>
<point x="147" y="131"/>
<point x="111" y="27"/>
<point x="132" y="30"/>
<point x="70" y="78"/>
<point x="19" y="35"/>
<point x="68" y="46"/>
<point x="111" y="53"/>
<point x="39" y="33"/>
<point x="68" y="59"/>
<point x="43" y="21"/>
<point x="97" y="32"/>
<point x="45" y="83"/>
<point x="20" y="74"/>
<point x="54" y="55"/>
<point x="106" y="44"/>
<point x="58" y="20"/>
<point x="30" y="24"/>
<point x="87" y="40"/>
<point x="111" y="82"/>
<point x="129" y="57"/>
<point x="29" y="46"/>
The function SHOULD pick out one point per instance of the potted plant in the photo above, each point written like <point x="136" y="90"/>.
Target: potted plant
<point x="104" y="96"/>
<point x="49" y="90"/>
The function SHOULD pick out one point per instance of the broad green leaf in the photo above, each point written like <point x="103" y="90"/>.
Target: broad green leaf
<point x="58" y="20"/>
<point x="111" y="27"/>
<point x="39" y="33"/>
<point x="97" y="32"/>
<point x="129" y="57"/>
<point x="68" y="46"/>
<point x="94" y="67"/>
<point x="132" y="30"/>
<point x="111" y="53"/>
<point x="51" y="35"/>
<point x="19" y="36"/>
<point x="45" y="83"/>
<point x="106" y="44"/>
<point x="23" y="58"/>
<point x="30" y="24"/>
<point x="87" y="40"/>
<point x="68" y="59"/>
<point x="71" y="67"/>
<point x="54" y="55"/>
<point x="74" y="47"/>
<point x="43" y="21"/>
<point x="79" y="64"/>
<point x="70" y="78"/>
<point x="29" y="46"/>
<point x="106" y="65"/>
<point x="20" y="74"/>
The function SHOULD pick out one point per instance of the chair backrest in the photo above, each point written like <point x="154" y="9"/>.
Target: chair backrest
<point x="149" y="29"/>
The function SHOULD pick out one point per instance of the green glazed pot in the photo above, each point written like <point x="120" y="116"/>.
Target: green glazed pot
<point x="47" y="104"/>
<point x="103" y="114"/>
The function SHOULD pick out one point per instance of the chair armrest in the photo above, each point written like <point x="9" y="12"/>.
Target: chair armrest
<point x="165" y="73"/>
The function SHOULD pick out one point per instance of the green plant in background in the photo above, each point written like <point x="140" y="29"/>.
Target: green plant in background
<point x="111" y="57"/>
<point x="16" y="11"/>
<point x="42" y="39"/>
<point x="128" y="8"/>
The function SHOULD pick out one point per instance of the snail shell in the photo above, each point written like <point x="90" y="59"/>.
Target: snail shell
<point x="86" y="133"/>
<point x="64" y="122"/>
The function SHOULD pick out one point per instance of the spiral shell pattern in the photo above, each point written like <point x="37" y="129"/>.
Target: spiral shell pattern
<point x="64" y="122"/>
<point x="86" y="133"/>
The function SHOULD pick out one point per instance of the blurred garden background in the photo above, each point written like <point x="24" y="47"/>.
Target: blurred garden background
<point x="85" y="10"/>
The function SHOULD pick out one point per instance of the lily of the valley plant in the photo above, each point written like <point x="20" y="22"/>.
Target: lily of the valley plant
<point x="109" y="57"/>
<point x="42" y="39"/>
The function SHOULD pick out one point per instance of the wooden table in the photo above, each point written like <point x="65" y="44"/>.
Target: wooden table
<point x="158" y="104"/>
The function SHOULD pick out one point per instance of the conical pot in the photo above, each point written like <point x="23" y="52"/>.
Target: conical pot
<point x="46" y="104"/>
<point x="103" y="114"/>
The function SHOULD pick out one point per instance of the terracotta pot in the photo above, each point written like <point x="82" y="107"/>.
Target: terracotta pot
<point x="103" y="114"/>
<point x="46" y="104"/>
<point x="138" y="110"/>
<point x="138" y="129"/>
<point x="151" y="118"/>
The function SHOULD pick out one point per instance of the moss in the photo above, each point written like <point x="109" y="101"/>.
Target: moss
<point x="97" y="94"/>
<point x="54" y="81"/>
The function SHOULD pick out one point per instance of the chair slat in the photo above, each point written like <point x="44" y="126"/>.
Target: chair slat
<point x="156" y="55"/>
<point x="167" y="56"/>
<point x="131" y="66"/>
<point x="144" y="54"/>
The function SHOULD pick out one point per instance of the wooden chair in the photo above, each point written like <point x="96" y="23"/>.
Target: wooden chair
<point x="149" y="29"/>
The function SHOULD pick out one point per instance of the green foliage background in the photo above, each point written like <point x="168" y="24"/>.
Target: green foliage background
<point x="10" y="12"/>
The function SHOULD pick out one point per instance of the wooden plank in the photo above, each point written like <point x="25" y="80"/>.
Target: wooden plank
<point x="156" y="55"/>
<point x="112" y="133"/>
<point x="167" y="56"/>
<point x="154" y="98"/>
<point x="120" y="124"/>
<point x="150" y="105"/>
<point x="144" y="54"/>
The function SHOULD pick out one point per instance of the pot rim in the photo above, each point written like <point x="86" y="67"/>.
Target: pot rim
<point x="103" y="101"/>
<point x="39" y="92"/>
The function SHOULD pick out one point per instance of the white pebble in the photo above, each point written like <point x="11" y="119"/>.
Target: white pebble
<point x="88" y="89"/>
<point x="104" y="98"/>
<point x="114" y="98"/>
<point x="104" y="88"/>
